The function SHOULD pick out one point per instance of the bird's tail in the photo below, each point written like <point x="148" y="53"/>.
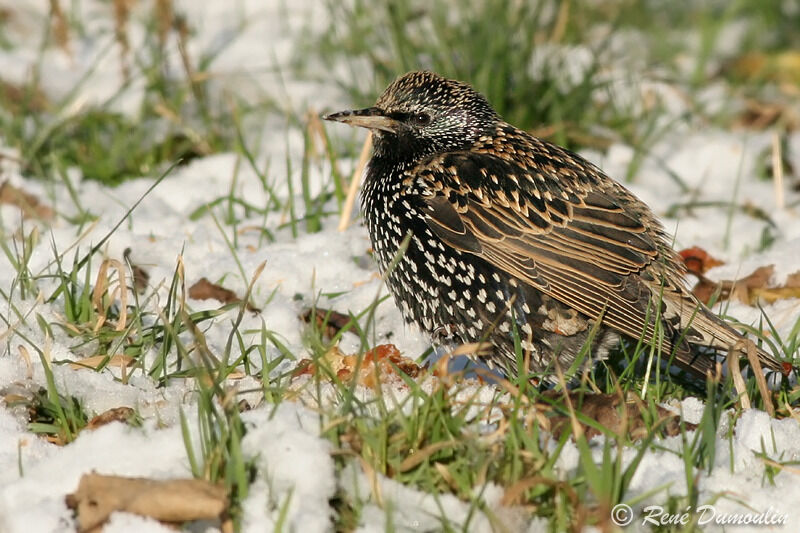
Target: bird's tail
<point x="699" y="326"/>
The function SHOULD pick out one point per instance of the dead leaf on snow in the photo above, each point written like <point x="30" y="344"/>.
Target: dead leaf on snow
<point x="743" y="289"/>
<point x="698" y="261"/>
<point x="750" y="289"/>
<point x="378" y="366"/>
<point x="793" y="280"/>
<point x="772" y="295"/>
<point x="29" y="204"/>
<point x="333" y="321"/>
<point x="115" y="414"/>
<point x="205" y="290"/>
<point x="173" y="501"/>
<point x="759" y="115"/>
<point x="705" y="289"/>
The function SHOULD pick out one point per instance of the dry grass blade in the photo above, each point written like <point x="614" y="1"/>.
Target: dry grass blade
<point x="120" y="360"/>
<point x="26" y="357"/>
<point x="102" y="287"/>
<point x="780" y="466"/>
<point x="347" y="209"/>
<point x="738" y="380"/>
<point x="317" y="131"/>
<point x="794" y="413"/>
<point x="472" y="348"/>
<point x="777" y="170"/>
<point x="761" y="381"/>
<point x="60" y="27"/>
<point x="577" y="429"/>
<point x="420" y="455"/>
<point x="513" y="495"/>
<point x="372" y="477"/>
<point x="122" y="12"/>
<point x="164" y="17"/>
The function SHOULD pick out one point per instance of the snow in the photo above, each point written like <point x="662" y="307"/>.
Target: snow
<point x="420" y="512"/>
<point x="296" y="465"/>
<point x="253" y="43"/>
<point x="739" y="474"/>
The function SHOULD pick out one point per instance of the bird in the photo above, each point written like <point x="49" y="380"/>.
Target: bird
<point x="490" y="237"/>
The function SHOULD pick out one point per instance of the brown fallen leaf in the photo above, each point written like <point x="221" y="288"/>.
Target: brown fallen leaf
<point x="772" y="295"/>
<point x="29" y="204"/>
<point x="698" y="261"/>
<point x="705" y="289"/>
<point x="793" y="280"/>
<point x="759" y="115"/>
<point x="746" y="290"/>
<point x="174" y="501"/>
<point x="116" y="414"/>
<point x="606" y="410"/>
<point x="333" y="321"/>
<point x="205" y="290"/>
<point x="26" y="400"/>
<point x="743" y="289"/>
<point x="378" y="366"/>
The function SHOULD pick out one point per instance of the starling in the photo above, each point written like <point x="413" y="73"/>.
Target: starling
<point x="512" y="237"/>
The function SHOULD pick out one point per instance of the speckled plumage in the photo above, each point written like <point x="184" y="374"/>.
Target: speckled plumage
<point x="507" y="231"/>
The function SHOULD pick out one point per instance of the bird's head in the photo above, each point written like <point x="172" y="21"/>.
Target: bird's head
<point x="422" y="113"/>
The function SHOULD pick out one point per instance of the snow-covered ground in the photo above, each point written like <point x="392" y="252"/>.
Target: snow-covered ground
<point x="293" y="461"/>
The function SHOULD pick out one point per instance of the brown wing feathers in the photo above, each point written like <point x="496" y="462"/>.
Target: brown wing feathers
<point x="584" y="252"/>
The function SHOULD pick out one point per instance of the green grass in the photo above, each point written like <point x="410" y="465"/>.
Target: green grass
<point x="177" y="121"/>
<point x="390" y="38"/>
<point x="441" y="439"/>
<point x="396" y="37"/>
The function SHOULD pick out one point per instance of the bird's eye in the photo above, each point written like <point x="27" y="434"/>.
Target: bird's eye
<point x="421" y="119"/>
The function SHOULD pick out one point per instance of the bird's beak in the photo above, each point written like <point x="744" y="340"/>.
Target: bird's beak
<point x="371" y="118"/>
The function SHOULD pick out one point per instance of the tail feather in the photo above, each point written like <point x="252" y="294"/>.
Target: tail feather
<point x="700" y="327"/>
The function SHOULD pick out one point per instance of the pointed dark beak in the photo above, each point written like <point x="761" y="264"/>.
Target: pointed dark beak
<point x="371" y="118"/>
